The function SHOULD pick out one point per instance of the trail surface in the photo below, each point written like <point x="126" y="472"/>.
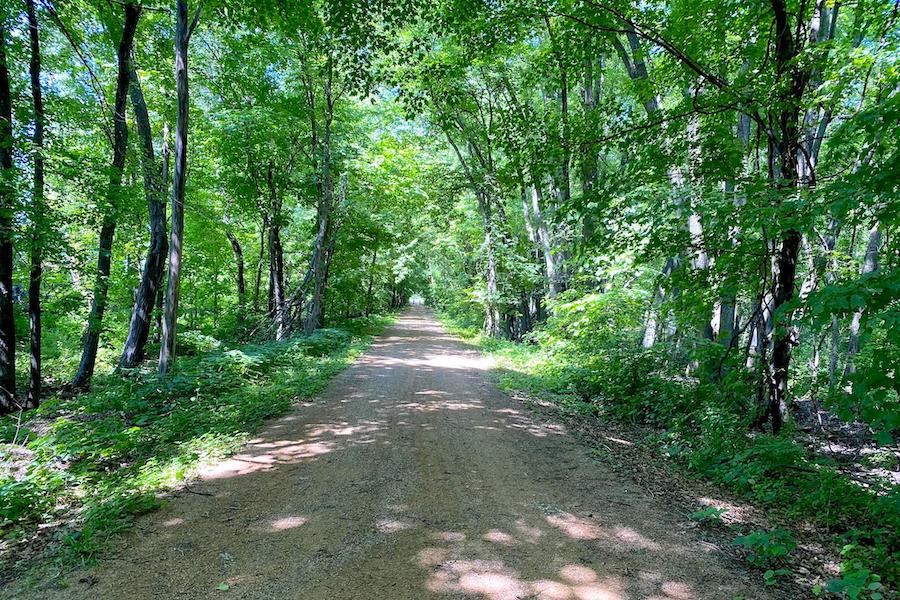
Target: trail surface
<point x="412" y="477"/>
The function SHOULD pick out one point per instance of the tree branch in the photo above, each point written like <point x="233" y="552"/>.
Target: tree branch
<point x="194" y="21"/>
<point x="95" y="81"/>
<point x="651" y="35"/>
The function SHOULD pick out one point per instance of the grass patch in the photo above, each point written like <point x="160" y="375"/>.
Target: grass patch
<point x="95" y="461"/>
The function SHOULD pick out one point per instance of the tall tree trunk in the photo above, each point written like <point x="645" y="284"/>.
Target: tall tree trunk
<point x="792" y="164"/>
<point x="320" y="257"/>
<point x="728" y="299"/>
<point x="270" y="287"/>
<point x="160" y="302"/>
<point x="651" y="324"/>
<point x="107" y="231"/>
<point x="561" y="177"/>
<point x="531" y="305"/>
<point x="701" y="263"/>
<point x="701" y="260"/>
<point x="276" y="262"/>
<point x="371" y="277"/>
<point x="535" y="210"/>
<point x="786" y="152"/>
<point x="37" y="215"/>
<point x="529" y="224"/>
<point x="542" y="230"/>
<point x="7" y="203"/>
<point x="562" y="180"/>
<point x="170" y="312"/>
<point x="161" y="292"/>
<point x="491" y="310"/>
<point x="870" y="265"/>
<point x="315" y="317"/>
<point x="781" y="349"/>
<point x="492" y="323"/>
<point x="263" y="232"/>
<point x="823" y="267"/>
<point x="632" y="58"/>
<point x="241" y="282"/>
<point x="589" y="157"/>
<point x="727" y="316"/>
<point x="154" y="264"/>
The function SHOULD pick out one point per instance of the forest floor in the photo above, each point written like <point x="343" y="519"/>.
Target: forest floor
<point x="413" y="476"/>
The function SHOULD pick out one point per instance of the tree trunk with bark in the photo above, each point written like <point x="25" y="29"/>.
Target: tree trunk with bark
<point x="320" y="257"/>
<point x="561" y="177"/>
<point x="551" y="259"/>
<point x="371" y="277"/>
<point x="316" y="316"/>
<point x="107" y="231"/>
<point x="728" y="299"/>
<point x="239" y="277"/>
<point x="33" y="397"/>
<point x="170" y="311"/>
<point x="492" y="322"/>
<point x="161" y="290"/>
<point x="257" y="285"/>
<point x="276" y="262"/>
<point x="590" y="97"/>
<point x="7" y="203"/>
<point x="870" y="265"/>
<point x="154" y="264"/>
<point x="632" y="58"/>
<point x="785" y="152"/>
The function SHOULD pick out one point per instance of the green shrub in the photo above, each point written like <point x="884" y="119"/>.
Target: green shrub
<point x="324" y="341"/>
<point x="766" y="548"/>
<point x="709" y="514"/>
<point x="193" y="343"/>
<point x="855" y="582"/>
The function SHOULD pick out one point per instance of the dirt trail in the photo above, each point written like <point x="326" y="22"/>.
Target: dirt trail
<point x="412" y="477"/>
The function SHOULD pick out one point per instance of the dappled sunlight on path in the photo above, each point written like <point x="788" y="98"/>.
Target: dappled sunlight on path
<point x="412" y="477"/>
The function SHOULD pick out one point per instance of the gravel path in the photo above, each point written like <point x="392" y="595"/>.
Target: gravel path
<point x="412" y="477"/>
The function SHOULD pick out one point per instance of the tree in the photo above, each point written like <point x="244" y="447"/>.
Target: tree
<point x="91" y="338"/>
<point x="183" y="32"/>
<point x="37" y="214"/>
<point x="155" y="189"/>
<point x="239" y="277"/>
<point x="7" y="208"/>
<point x="321" y="155"/>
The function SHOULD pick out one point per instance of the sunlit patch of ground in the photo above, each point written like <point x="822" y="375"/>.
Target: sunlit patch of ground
<point x="287" y="523"/>
<point x="498" y="537"/>
<point x="392" y="525"/>
<point x="482" y="566"/>
<point x="494" y="580"/>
